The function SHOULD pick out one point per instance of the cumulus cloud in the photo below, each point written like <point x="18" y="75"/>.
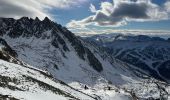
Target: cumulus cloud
<point x="33" y="8"/>
<point x="120" y="12"/>
<point x="131" y="10"/>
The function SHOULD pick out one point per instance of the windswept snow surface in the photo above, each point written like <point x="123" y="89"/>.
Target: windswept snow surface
<point x="30" y="89"/>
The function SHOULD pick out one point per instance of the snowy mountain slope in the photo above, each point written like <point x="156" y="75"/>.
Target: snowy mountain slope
<point x="150" y="54"/>
<point x="57" y="51"/>
<point x="21" y="81"/>
<point x="49" y="46"/>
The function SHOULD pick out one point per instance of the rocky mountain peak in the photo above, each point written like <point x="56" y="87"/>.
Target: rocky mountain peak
<point x="24" y="18"/>
<point x="37" y="19"/>
<point x="56" y="35"/>
<point x="26" y="27"/>
<point x="46" y="19"/>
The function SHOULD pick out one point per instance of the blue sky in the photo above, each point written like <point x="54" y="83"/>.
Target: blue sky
<point x="64" y="16"/>
<point x="79" y="12"/>
<point x="86" y="16"/>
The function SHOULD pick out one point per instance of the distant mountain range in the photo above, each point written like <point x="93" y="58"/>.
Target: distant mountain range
<point x="151" y="54"/>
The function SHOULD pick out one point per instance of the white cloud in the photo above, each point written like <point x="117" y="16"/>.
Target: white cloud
<point x="167" y="6"/>
<point x="64" y="4"/>
<point x="92" y="8"/>
<point x="120" y="12"/>
<point x="106" y="8"/>
<point x="9" y="8"/>
<point x="80" y="24"/>
<point x="34" y="8"/>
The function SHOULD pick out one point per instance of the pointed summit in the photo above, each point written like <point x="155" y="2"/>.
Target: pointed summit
<point x="24" y="18"/>
<point x="46" y="20"/>
<point x="37" y="19"/>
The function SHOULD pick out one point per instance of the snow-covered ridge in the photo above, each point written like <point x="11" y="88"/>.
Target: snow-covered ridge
<point x="45" y="47"/>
